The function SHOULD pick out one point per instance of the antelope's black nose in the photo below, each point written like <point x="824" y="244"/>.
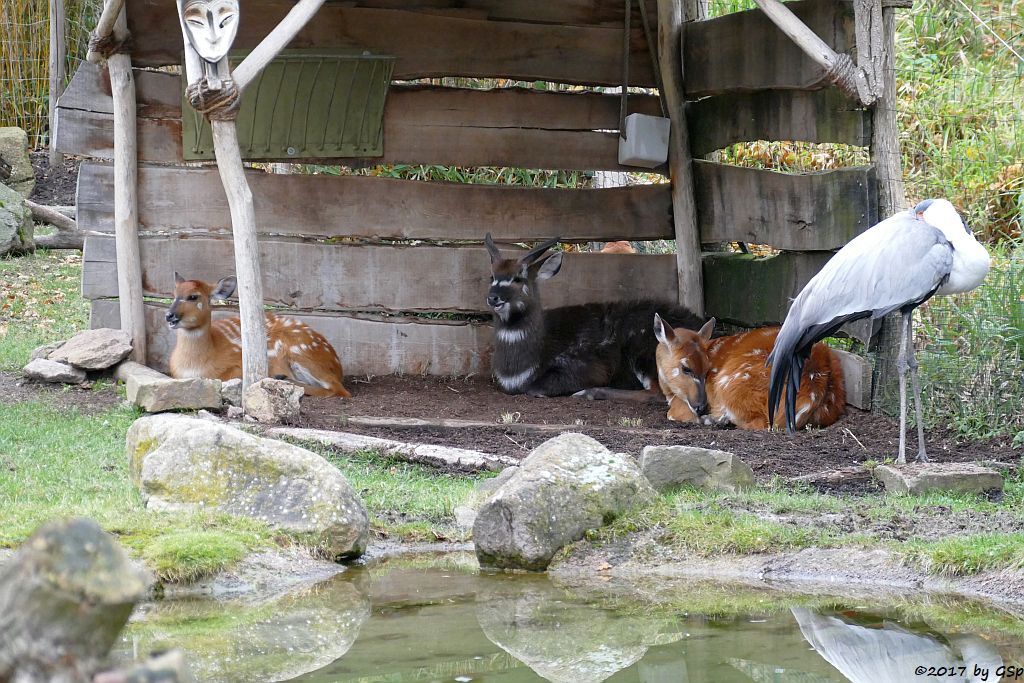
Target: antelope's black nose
<point x="701" y="408"/>
<point x="493" y="300"/>
<point x="171" y="317"/>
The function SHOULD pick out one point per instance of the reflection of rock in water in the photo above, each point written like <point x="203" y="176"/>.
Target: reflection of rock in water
<point x="891" y="653"/>
<point x="269" y="642"/>
<point x="561" y="640"/>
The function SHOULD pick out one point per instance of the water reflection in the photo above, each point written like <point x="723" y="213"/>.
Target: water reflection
<point x="565" y="640"/>
<point x="244" y="643"/>
<point x="406" y="621"/>
<point x="892" y="654"/>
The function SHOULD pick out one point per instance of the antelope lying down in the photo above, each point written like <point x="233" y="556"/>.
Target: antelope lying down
<point x="724" y="380"/>
<point x="295" y="351"/>
<point x="594" y="351"/>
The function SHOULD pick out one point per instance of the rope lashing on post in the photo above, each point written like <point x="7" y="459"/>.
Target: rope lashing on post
<point x="848" y="77"/>
<point x="109" y="45"/>
<point x="216" y="105"/>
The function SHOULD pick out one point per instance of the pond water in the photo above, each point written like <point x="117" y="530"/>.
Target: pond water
<point x="439" y="619"/>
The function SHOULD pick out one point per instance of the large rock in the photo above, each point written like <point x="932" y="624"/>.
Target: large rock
<point x="16" y="167"/>
<point x="272" y="401"/>
<point x="465" y="514"/>
<point x="186" y="463"/>
<point x="16" y="227"/>
<point x="231" y="392"/>
<point x="155" y="392"/>
<point x="96" y="349"/>
<point x="667" y="467"/>
<point x="43" y="370"/>
<point x="566" y="486"/>
<point x="917" y="478"/>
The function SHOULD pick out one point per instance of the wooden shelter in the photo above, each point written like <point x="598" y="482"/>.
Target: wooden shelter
<point x="363" y="259"/>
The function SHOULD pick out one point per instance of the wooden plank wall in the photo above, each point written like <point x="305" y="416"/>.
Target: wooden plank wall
<point x="352" y="254"/>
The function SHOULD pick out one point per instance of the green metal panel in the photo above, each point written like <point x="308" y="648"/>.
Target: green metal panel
<point x="306" y="104"/>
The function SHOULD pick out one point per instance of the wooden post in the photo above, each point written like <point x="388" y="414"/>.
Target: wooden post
<point x="247" y="251"/>
<point x="892" y="197"/>
<point x="232" y="173"/>
<point x="58" y="74"/>
<point x="105" y="26"/>
<point x="684" y="208"/>
<point x="126" y="179"/>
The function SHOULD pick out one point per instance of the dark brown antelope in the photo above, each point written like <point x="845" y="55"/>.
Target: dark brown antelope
<point x="594" y="351"/>
<point x="724" y="381"/>
<point x="213" y="349"/>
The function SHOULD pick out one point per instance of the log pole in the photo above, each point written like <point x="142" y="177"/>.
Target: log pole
<point x="126" y="180"/>
<point x="680" y="163"/>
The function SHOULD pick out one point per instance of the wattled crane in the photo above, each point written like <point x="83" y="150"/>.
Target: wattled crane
<point x="895" y="265"/>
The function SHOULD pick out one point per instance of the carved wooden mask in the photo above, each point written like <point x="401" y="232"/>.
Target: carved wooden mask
<point x="211" y="26"/>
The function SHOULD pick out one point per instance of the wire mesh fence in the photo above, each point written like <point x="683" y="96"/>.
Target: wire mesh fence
<point x="25" y="56"/>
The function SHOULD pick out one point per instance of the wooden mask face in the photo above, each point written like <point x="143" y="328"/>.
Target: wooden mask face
<point x="211" y="26"/>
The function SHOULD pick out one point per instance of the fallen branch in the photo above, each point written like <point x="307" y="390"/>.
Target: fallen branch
<point x="68" y="236"/>
<point x="426" y="454"/>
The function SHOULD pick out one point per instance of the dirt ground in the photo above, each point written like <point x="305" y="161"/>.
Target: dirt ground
<point x="622" y="427"/>
<point x="56" y="186"/>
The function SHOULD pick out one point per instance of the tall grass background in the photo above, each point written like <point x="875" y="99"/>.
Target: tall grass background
<point x="960" y="114"/>
<point x="25" y="59"/>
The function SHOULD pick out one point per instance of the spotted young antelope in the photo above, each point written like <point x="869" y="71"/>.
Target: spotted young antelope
<point x="213" y="349"/>
<point x="725" y="381"/>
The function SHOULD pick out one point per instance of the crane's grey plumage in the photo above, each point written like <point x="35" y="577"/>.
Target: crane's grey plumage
<point x="895" y="265"/>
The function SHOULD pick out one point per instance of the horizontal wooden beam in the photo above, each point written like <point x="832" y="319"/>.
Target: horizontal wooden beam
<point x="746" y="290"/>
<point x="367" y="345"/>
<point x="808" y="116"/>
<point x="513" y="127"/>
<point x="344" y="277"/>
<point x="326" y="206"/>
<point x="745" y="51"/>
<point x="578" y="12"/>
<point x="806" y="212"/>
<point x="425" y="45"/>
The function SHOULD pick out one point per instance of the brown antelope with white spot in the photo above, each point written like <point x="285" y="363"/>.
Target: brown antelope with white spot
<point x="213" y="348"/>
<point x="724" y="381"/>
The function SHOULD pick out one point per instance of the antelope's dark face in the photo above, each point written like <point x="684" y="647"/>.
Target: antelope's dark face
<point x="684" y="362"/>
<point x="513" y="281"/>
<point x="190" y="309"/>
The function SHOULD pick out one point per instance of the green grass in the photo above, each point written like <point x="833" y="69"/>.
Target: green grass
<point x="60" y="463"/>
<point x="771" y="519"/>
<point x="39" y="303"/>
<point x="406" y="500"/>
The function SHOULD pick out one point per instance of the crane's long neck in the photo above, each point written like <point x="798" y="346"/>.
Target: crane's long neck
<point x="970" y="265"/>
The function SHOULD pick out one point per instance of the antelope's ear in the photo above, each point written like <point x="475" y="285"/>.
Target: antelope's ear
<point x="664" y="333"/>
<point x="178" y="279"/>
<point x="707" y="329"/>
<point x="550" y="266"/>
<point x="225" y="288"/>
<point x="492" y="249"/>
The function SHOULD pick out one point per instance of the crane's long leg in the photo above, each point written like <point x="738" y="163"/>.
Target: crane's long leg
<point x="901" y="367"/>
<point x="922" y="456"/>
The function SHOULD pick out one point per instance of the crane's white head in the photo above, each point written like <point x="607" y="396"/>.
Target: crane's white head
<point x="941" y="214"/>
